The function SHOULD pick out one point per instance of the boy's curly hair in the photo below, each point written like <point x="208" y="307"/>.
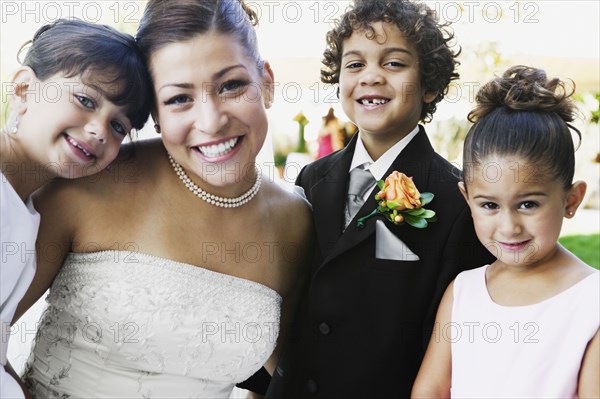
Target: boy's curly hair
<point x="420" y="25"/>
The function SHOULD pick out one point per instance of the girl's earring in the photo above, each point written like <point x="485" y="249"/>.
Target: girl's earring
<point x="14" y="126"/>
<point x="157" y="128"/>
<point x="570" y="214"/>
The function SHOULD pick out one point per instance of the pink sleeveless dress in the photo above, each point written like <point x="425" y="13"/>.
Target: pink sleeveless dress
<point x="532" y="351"/>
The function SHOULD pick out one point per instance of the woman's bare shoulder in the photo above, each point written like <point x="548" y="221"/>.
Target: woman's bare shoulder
<point x="291" y="214"/>
<point x="291" y="202"/>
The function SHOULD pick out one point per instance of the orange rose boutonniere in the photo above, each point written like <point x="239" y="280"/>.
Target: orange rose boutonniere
<point x="400" y="201"/>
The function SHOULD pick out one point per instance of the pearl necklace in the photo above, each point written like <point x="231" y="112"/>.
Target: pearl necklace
<point x="212" y="199"/>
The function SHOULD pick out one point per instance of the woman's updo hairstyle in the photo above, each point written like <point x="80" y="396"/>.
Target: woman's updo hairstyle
<point x="172" y="21"/>
<point x="527" y="115"/>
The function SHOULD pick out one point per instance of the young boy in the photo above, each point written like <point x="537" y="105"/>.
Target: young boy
<point x="369" y="308"/>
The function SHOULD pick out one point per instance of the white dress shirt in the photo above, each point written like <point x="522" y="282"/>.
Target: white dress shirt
<point x="379" y="167"/>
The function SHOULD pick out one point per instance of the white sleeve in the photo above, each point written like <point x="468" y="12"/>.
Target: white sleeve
<point x="9" y="388"/>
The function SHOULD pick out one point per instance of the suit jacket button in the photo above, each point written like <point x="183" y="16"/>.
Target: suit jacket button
<point x="324" y="328"/>
<point x="311" y="386"/>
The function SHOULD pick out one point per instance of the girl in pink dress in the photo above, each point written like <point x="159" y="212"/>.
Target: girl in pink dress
<point x="525" y="326"/>
<point x="330" y="135"/>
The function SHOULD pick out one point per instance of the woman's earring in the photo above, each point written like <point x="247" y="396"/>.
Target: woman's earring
<point x="157" y="128"/>
<point x="570" y="214"/>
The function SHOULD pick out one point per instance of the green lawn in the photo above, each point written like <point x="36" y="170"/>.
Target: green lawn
<point x="586" y="247"/>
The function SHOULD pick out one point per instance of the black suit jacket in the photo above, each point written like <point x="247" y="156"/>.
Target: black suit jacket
<point x="363" y="324"/>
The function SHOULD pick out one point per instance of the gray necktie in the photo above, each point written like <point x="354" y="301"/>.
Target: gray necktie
<point x="360" y="182"/>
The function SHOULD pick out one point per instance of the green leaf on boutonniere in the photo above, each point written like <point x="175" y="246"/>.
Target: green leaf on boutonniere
<point x="428" y="214"/>
<point x="426" y="198"/>
<point x="416" y="212"/>
<point x="416" y="221"/>
<point x="392" y="205"/>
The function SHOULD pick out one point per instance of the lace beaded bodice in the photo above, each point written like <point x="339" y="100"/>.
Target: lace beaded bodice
<point x="126" y="324"/>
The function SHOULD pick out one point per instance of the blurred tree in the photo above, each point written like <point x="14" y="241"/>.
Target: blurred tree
<point x="302" y="121"/>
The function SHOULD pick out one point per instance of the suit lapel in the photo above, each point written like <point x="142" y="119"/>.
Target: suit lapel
<point x="414" y="160"/>
<point x="328" y="197"/>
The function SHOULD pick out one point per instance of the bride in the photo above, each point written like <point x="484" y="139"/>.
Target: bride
<point x="168" y="273"/>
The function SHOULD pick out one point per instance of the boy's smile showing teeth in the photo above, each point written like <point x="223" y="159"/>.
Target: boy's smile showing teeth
<point x="218" y="149"/>
<point x="379" y="84"/>
<point x="373" y="101"/>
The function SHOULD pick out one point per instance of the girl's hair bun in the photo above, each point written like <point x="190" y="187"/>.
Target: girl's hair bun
<point x="523" y="88"/>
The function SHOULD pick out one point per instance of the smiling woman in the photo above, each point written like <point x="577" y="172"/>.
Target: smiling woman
<point x="223" y="103"/>
<point x="292" y="38"/>
<point x="214" y="251"/>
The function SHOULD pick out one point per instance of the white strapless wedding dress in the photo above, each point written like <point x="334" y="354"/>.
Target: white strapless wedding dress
<point x="126" y="324"/>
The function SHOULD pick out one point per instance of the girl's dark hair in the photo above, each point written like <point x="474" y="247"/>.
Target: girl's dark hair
<point x="171" y="21"/>
<point x="523" y="113"/>
<point x="99" y="54"/>
<point x="420" y="25"/>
